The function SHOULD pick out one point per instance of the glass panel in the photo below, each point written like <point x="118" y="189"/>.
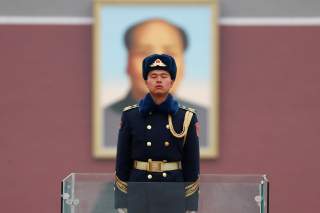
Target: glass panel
<point x="67" y="194"/>
<point x="94" y="193"/>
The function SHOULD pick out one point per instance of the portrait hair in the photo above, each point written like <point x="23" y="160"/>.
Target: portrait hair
<point x="130" y="30"/>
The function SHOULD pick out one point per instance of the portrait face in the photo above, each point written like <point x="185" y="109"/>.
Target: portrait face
<point x="153" y="37"/>
<point x="159" y="82"/>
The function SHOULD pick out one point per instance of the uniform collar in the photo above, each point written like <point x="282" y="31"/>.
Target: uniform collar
<point x="146" y="105"/>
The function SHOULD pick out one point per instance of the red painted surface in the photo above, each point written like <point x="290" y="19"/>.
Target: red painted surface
<point x="269" y="112"/>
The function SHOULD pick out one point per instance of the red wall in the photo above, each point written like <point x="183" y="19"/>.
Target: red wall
<point x="269" y="112"/>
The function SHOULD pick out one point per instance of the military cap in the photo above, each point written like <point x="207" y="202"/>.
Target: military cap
<point x="159" y="62"/>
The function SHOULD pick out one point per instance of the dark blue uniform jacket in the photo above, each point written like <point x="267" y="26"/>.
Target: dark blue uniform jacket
<point x="144" y="134"/>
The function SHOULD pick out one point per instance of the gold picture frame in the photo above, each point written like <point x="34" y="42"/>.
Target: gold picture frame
<point x="112" y="20"/>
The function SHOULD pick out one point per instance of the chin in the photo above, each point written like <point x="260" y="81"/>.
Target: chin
<point x="160" y="93"/>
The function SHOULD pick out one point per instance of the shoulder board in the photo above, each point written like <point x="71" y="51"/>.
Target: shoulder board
<point x="187" y="108"/>
<point x="130" y="107"/>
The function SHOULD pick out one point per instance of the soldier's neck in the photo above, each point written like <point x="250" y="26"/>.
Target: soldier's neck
<point x="159" y="99"/>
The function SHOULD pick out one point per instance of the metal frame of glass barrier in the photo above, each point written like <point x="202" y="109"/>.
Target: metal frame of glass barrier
<point x="76" y="183"/>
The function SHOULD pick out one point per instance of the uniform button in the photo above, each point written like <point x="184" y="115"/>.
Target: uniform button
<point x="167" y="126"/>
<point x="166" y="143"/>
<point x="165" y="161"/>
<point x="149" y="143"/>
<point x="149" y="127"/>
<point x="150" y="113"/>
<point x="164" y="174"/>
<point x="149" y="176"/>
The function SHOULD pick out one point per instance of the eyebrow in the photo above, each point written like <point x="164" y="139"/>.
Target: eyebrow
<point x="147" y="46"/>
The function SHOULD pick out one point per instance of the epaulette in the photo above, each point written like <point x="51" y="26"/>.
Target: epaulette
<point x="187" y="108"/>
<point x="130" y="107"/>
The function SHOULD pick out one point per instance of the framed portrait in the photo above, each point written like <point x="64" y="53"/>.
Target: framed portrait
<point x="125" y="32"/>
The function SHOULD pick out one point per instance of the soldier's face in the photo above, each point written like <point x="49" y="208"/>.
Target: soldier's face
<point x="154" y="37"/>
<point x="159" y="82"/>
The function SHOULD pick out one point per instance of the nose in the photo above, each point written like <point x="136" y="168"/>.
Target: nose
<point x="159" y="79"/>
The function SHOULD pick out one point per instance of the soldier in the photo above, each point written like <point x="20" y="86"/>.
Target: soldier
<point x="157" y="164"/>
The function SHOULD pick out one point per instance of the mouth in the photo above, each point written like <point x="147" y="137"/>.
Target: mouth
<point x="159" y="87"/>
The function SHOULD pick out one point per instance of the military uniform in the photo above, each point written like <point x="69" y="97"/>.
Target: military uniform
<point x="157" y="164"/>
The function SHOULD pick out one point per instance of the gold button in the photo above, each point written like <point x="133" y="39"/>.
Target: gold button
<point x="149" y="143"/>
<point x="164" y="174"/>
<point x="149" y="127"/>
<point x="149" y="176"/>
<point x="167" y="126"/>
<point x="166" y="143"/>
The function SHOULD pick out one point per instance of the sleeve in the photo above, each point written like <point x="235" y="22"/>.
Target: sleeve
<point x="123" y="163"/>
<point x="191" y="165"/>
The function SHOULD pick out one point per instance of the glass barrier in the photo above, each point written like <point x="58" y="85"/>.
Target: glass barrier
<point x="94" y="193"/>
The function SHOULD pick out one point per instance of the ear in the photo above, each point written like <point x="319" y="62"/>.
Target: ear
<point x="127" y="65"/>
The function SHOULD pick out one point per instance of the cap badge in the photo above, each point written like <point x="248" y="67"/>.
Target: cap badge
<point x="158" y="62"/>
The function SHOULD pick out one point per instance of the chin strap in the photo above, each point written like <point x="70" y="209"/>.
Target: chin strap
<point x="186" y="123"/>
